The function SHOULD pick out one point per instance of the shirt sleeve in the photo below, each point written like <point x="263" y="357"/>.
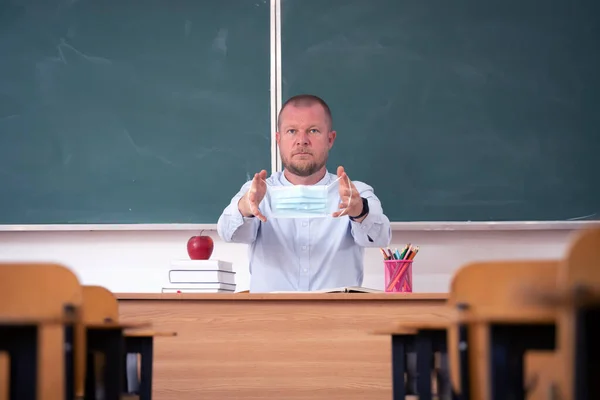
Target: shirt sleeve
<point x="375" y="230"/>
<point x="232" y="226"/>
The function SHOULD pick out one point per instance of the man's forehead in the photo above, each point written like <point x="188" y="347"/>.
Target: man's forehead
<point x="306" y="114"/>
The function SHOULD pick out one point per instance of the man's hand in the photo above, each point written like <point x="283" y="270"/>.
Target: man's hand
<point x="248" y="204"/>
<point x="350" y="199"/>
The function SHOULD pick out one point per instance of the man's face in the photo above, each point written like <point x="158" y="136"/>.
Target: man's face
<point x="304" y="138"/>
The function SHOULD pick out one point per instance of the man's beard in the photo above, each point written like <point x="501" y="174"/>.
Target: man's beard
<point x="303" y="170"/>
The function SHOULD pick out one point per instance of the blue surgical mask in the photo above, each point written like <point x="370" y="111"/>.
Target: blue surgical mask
<point x="303" y="201"/>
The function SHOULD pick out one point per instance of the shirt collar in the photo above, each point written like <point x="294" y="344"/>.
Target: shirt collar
<point x="324" y="181"/>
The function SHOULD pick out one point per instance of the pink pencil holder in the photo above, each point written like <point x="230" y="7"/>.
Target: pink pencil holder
<point x="398" y="276"/>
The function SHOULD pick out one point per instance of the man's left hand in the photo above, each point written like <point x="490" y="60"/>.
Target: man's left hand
<point x="350" y="201"/>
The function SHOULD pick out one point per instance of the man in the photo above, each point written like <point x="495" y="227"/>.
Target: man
<point x="303" y="253"/>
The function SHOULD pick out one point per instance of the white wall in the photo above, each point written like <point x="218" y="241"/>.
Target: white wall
<point x="137" y="261"/>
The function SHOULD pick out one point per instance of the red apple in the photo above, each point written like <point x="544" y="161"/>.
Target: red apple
<point x="200" y="247"/>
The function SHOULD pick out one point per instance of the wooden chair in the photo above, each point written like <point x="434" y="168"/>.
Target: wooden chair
<point x="494" y="329"/>
<point x="4" y="374"/>
<point x="88" y="345"/>
<point x="39" y="303"/>
<point x="577" y="304"/>
<point x="478" y="291"/>
<point x="579" y="318"/>
<point x="101" y="307"/>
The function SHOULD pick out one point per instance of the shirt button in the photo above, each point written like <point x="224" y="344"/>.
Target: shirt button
<point x="304" y="223"/>
<point x="305" y="270"/>
<point x="303" y="247"/>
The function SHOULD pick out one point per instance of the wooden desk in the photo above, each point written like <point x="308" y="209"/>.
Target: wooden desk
<point x="275" y="346"/>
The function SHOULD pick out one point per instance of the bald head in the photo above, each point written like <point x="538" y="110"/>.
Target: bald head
<point x="306" y="100"/>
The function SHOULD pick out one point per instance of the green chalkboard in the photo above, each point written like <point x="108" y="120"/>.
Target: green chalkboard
<point x="130" y="111"/>
<point x="463" y="110"/>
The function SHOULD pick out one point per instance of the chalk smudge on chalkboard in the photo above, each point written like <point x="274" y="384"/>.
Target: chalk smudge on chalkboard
<point x="341" y="44"/>
<point x="204" y="153"/>
<point x="7" y="117"/>
<point x="143" y="151"/>
<point x="469" y="72"/>
<point x="71" y="49"/>
<point x="187" y="27"/>
<point x="582" y="217"/>
<point x="220" y="42"/>
<point x="46" y="69"/>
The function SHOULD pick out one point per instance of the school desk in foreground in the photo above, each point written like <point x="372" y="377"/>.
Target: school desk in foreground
<point x="274" y="346"/>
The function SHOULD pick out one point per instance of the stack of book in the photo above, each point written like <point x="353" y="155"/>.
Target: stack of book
<point x="200" y="276"/>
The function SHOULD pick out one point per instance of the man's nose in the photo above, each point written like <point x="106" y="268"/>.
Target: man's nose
<point x="302" y="139"/>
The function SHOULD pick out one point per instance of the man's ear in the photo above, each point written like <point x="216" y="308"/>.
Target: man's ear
<point x="332" y="135"/>
<point x="277" y="137"/>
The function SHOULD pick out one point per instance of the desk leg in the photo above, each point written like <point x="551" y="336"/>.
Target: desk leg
<point x="143" y="345"/>
<point x="21" y="344"/>
<point x="90" y="376"/>
<point x="587" y="353"/>
<point x="398" y="367"/>
<point x="465" y="370"/>
<point x="424" y="347"/>
<point x="69" y="363"/>
<point x="440" y="345"/>
<point x="109" y="342"/>
<point x="508" y="345"/>
<point x="411" y="371"/>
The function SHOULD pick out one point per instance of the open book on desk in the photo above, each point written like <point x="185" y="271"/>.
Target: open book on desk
<point x="344" y="289"/>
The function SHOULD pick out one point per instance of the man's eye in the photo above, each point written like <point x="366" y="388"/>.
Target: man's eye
<point x="291" y="131"/>
<point x="314" y="131"/>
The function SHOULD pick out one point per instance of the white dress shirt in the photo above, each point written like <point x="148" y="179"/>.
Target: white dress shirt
<point x="305" y="254"/>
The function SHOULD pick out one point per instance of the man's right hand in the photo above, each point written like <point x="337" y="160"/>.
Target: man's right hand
<point x="248" y="204"/>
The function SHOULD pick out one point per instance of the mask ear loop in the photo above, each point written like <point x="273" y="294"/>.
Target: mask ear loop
<point x="350" y="199"/>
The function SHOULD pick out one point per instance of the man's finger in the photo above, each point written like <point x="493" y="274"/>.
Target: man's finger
<point x="254" y="207"/>
<point x="339" y="213"/>
<point x="347" y="191"/>
<point x="260" y="216"/>
<point x="256" y="212"/>
<point x="253" y="184"/>
<point x="344" y="183"/>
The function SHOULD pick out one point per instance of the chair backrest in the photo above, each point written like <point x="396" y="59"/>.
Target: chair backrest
<point x="40" y="291"/>
<point x="581" y="270"/>
<point x="99" y="306"/>
<point x="489" y="288"/>
<point x="37" y="290"/>
<point x="582" y="264"/>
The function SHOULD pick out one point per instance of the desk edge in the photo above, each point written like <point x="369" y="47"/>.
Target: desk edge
<point x="285" y="296"/>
